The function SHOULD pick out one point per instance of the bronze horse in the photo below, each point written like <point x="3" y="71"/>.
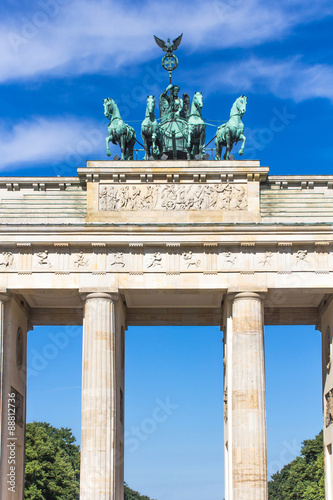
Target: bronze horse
<point x="119" y="132"/>
<point x="231" y="132"/>
<point x="151" y="132"/>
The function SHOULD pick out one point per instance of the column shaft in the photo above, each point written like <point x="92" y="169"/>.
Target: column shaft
<point x="326" y="327"/>
<point x="246" y="400"/>
<point x="2" y="329"/>
<point x="13" y="349"/>
<point x="99" y="400"/>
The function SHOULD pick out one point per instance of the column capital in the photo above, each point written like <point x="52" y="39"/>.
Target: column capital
<point x="238" y="294"/>
<point x="93" y="295"/>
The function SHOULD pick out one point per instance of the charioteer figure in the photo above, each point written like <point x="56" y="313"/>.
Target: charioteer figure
<point x="171" y="106"/>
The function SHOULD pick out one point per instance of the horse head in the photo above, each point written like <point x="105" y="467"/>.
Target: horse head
<point x="197" y="99"/>
<point x="151" y="104"/>
<point x="108" y="106"/>
<point x="239" y="106"/>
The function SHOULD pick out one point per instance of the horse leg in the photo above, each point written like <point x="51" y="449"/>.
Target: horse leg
<point x="228" y="145"/>
<point x="218" y="148"/>
<point x="202" y="143"/>
<point x="146" y="147"/>
<point x="242" y="138"/>
<point x="219" y="143"/>
<point x="155" y="149"/>
<point x="159" y="146"/>
<point x="122" y="144"/>
<point x="130" y="146"/>
<point x="189" y="144"/>
<point x="108" y="139"/>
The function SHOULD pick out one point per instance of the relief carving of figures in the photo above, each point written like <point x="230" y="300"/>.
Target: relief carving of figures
<point x="123" y="197"/>
<point x="190" y="260"/>
<point x="148" y="198"/>
<point x="6" y="259"/>
<point x="230" y="258"/>
<point x="267" y="259"/>
<point x="135" y="197"/>
<point x="173" y="197"/>
<point x="43" y="259"/>
<point x="328" y="349"/>
<point x="302" y="259"/>
<point x="108" y="198"/>
<point x="156" y="260"/>
<point x="118" y="259"/>
<point x="103" y="198"/>
<point x="112" y="198"/>
<point x="225" y="401"/>
<point x="80" y="260"/>
<point x="329" y="408"/>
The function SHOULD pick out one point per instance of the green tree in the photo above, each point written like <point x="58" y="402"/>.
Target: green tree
<point x="303" y="478"/>
<point x="52" y="463"/>
<point x="133" y="495"/>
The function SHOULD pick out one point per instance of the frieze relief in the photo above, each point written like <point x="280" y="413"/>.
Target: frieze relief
<point x="43" y="259"/>
<point x="329" y="408"/>
<point x="266" y="260"/>
<point x="6" y="260"/>
<point x="302" y="259"/>
<point x="140" y="258"/>
<point x="80" y="260"/>
<point x="177" y="197"/>
<point x="117" y="260"/>
<point x="328" y="353"/>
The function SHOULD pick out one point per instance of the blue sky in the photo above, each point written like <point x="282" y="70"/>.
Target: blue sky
<point x="181" y="457"/>
<point x="58" y="60"/>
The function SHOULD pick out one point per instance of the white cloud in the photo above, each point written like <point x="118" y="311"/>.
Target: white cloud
<point x="69" y="140"/>
<point x="50" y="141"/>
<point x="290" y="78"/>
<point x="60" y="37"/>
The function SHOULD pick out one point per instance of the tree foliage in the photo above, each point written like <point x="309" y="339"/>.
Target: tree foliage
<point x="133" y="495"/>
<point x="52" y="463"/>
<point x="303" y="478"/>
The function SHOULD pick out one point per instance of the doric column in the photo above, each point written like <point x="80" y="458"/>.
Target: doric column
<point x="13" y="372"/>
<point x="3" y="299"/>
<point x="245" y="406"/>
<point x="326" y="327"/>
<point x="102" y="397"/>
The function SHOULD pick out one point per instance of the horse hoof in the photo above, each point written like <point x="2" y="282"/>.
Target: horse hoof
<point x="240" y="153"/>
<point x="109" y="154"/>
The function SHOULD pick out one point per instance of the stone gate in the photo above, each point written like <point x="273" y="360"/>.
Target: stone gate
<point x="162" y="243"/>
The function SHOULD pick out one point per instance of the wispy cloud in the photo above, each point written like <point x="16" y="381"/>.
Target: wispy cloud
<point x="48" y="140"/>
<point x="64" y="37"/>
<point x="71" y="140"/>
<point x="285" y="79"/>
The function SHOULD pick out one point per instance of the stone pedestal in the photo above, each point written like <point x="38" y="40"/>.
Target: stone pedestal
<point x="245" y="408"/>
<point x="102" y="399"/>
<point x="13" y="368"/>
